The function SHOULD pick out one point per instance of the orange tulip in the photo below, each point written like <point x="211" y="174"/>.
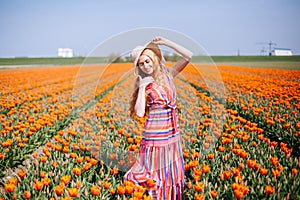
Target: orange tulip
<point x="275" y="173"/>
<point x="274" y="160"/>
<point x="199" y="197"/>
<point x="121" y="189"/>
<point x="226" y="174"/>
<point x="213" y="193"/>
<point x="251" y="163"/>
<point x="95" y="190"/>
<point x="87" y="166"/>
<point x="79" y="160"/>
<point x="244" y="154"/>
<point x="197" y="178"/>
<point x="46" y="181"/>
<point x="294" y="171"/>
<point x="189" y="184"/>
<point x="150" y="183"/>
<point x="78" y="184"/>
<point x="269" y="189"/>
<point x="112" y="191"/>
<point x="77" y="171"/>
<point x="198" y="187"/>
<point x="130" y="140"/>
<point x="65" y="179"/>
<point x="55" y="164"/>
<point x="122" y="162"/>
<point x="13" y="180"/>
<point x="221" y="149"/>
<point x="205" y="168"/>
<point x="197" y="172"/>
<point x="14" y="197"/>
<point x="73" y="192"/>
<point x="42" y="174"/>
<point x="73" y="155"/>
<point x="93" y="161"/>
<point x="112" y="156"/>
<point x="206" y="145"/>
<point x="129" y="189"/>
<point x="81" y="147"/>
<point x="39" y="185"/>
<point x="9" y="188"/>
<point x="210" y="156"/>
<point x="27" y="195"/>
<point x="106" y="185"/>
<point x="236" y="171"/>
<point x="263" y="171"/>
<point x="114" y="171"/>
<point x="238" y="194"/>
<point x="59" y="189"/>
<point x="43" y="158"/>
<point x="139" y="195"/>
<point x="286" y="126"/>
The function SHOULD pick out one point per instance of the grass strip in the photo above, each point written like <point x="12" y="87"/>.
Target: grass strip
<point x="94" y="60"/>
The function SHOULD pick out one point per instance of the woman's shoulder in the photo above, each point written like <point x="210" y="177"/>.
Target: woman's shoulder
<point x="152" y="88"/>
<point x="149" y="86"/>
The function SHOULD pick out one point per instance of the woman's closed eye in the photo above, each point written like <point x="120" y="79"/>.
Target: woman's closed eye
<point x="141" y="64"/>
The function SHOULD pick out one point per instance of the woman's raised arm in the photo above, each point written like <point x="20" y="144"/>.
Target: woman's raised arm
<point x="185" y="53"/>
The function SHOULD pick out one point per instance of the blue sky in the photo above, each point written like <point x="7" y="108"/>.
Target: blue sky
<point x="38" y="28"/>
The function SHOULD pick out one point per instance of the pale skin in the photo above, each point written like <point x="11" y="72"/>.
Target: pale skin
<point x="146" y="66"/>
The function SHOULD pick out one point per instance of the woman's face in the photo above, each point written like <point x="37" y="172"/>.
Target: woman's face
<point x="145" y="64"/>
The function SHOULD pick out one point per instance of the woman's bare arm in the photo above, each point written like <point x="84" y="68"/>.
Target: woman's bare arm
<point x="185" y="53"/>
<point x="140" y="104"/>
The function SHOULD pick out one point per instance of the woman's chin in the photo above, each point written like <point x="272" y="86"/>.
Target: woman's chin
<point x="149" y="72"/>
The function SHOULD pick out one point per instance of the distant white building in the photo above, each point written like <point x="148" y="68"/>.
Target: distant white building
<point x="65" y="52"/>
<point x="282" y="52"/>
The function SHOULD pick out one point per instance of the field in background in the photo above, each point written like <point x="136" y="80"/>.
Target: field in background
<point x="284" y="62"/>
<point x="280" y="62"/>
<point x="49" y="61"/>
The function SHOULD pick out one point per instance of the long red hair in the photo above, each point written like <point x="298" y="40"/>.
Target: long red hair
<point x="158" y="70"/>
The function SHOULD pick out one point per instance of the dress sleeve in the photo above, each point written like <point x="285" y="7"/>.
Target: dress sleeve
<point x="150" y="96"/>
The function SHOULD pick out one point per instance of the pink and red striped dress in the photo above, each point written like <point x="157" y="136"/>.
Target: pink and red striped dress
<point x="160" y="156"/>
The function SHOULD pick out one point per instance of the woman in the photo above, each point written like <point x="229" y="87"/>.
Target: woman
<point x="159" y="166"/>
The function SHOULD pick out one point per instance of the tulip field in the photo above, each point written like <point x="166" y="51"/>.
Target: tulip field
<point x="66" y="133"/>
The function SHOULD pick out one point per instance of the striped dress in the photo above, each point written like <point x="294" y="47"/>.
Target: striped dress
<point x="160" y="157"/>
